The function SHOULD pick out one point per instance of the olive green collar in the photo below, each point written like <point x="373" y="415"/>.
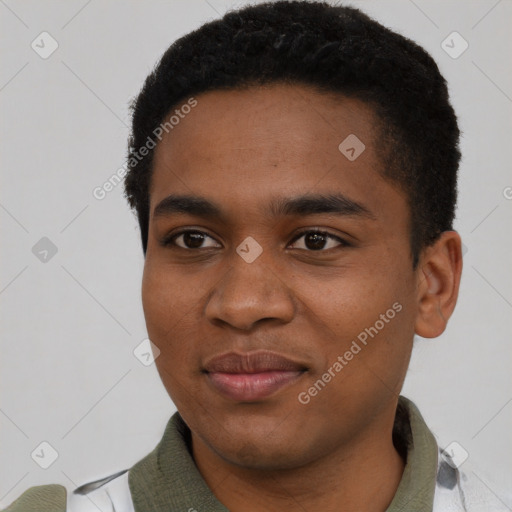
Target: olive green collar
<point x="168" y="479"/>
<point x="417" y="486"/>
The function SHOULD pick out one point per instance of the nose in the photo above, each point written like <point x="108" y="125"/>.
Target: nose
<point x="248" y="294"/>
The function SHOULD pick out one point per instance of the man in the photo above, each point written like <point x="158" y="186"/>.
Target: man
<point x="293" y="167"/>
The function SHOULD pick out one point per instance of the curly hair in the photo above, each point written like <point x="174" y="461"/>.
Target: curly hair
<point x="334" y="49"/>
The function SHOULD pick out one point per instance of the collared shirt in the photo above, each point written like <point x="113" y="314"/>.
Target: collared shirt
<point x="167" y="480"/>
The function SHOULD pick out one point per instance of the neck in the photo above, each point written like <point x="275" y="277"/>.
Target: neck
<point x="362" y="476"/>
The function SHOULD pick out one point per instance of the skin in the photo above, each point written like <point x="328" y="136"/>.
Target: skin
<point x="240" y="149"/>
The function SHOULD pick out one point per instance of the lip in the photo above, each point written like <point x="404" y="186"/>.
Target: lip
<point x="252" y="376"/>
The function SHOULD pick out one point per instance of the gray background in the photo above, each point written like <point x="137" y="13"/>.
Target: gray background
<point x="69" y="325"/>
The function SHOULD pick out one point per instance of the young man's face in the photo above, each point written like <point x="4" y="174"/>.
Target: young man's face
<point x="306" y="298"/>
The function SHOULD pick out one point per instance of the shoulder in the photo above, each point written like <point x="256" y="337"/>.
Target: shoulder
<point x="43" y="498"/>
<point x="462" y="490"/>
<point x="106" y="494"/>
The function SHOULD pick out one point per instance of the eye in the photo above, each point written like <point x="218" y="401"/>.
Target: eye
<point x="191" y="239"/>
<point x="316" y="240"/>
<point x="313" y="240"/>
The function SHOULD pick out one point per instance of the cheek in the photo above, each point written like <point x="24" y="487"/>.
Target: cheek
<point x="165" y="298"/>
<point x="367" y="318"/>
<point x="171" y="322"/>
<point x="170" y="315"/>
<point x="348" y="302"/>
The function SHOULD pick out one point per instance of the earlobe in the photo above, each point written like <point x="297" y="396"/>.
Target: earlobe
<point x="438" y="278"/>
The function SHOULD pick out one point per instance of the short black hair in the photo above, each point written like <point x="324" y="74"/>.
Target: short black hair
<point x="333" y="49"/>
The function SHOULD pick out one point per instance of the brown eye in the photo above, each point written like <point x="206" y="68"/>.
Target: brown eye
<point x="318" y="241"/>
<point x="192" y="240"/>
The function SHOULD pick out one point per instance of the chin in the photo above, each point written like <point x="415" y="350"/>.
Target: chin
<point x="263" y="457"/>
<point x="264" y="447"/>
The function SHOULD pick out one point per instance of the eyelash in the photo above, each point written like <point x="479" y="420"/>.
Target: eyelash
<point x="170" y="240"/>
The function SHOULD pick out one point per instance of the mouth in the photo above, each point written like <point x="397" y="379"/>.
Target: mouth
<point x="252" y="376"/>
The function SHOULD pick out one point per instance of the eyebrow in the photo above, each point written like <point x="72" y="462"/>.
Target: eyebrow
<point x="309" y="204"/>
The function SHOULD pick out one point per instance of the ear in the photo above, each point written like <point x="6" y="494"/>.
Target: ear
<point x="438" y="278"/>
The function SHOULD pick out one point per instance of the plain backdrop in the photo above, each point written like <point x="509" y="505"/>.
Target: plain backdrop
<point x="70" y="324"/>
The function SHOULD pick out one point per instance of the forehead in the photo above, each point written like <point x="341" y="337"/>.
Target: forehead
<point x="285" y="117"/>
<point x="246" y="145"/>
